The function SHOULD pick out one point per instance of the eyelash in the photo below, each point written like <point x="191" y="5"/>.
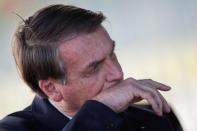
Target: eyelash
<point x="92" y="71"/>
<point x="95" y="68"/>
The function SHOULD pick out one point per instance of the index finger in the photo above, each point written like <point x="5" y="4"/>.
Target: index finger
<point x="155" y="84"/>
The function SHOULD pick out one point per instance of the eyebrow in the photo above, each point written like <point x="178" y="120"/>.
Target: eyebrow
<point x="97" y="62"/>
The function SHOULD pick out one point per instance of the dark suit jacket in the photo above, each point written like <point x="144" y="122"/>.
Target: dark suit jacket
<point x="93" y="116"/>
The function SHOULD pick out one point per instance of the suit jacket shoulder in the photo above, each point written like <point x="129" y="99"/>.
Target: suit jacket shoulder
<point x="144" y="119"/>
<point x="93" y="116"/>
<point x="19" y="121"/>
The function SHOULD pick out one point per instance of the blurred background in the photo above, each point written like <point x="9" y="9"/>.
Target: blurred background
<point x="155" y="39"/>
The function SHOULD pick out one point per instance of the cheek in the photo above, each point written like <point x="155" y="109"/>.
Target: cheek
<point x="92" y="86"/>
<point x="96" y="82"/>
<point x="83" y="89"/>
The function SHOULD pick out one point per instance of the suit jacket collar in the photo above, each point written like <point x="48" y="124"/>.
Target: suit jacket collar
<point x="48" y="115"/>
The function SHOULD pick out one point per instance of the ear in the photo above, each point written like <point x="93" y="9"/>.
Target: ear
<point x="50" y="88"/>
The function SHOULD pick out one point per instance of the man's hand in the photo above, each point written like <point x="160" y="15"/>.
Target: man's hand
<point x="129" y="91"/>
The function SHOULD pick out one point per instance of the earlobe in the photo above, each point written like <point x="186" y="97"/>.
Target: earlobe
<point x="57" y="97"/>
<point x="50" y="89"/>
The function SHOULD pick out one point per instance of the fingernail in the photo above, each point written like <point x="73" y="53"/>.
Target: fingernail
<point x="169" y="87"/>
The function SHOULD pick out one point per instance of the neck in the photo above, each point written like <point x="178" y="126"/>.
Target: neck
<point x="63" y="108"/>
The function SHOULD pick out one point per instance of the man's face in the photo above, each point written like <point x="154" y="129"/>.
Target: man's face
<point x="91" y="65"/>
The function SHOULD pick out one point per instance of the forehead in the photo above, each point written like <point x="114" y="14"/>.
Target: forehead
<point x="86" y="47"/>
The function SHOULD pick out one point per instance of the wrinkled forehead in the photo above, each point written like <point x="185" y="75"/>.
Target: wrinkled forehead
<point x="86" y="47"/>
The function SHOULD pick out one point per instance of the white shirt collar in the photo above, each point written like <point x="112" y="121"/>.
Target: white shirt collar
<point x="53" y="104"/>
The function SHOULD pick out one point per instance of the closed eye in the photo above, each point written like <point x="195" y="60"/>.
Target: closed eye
<point x="93" y="67"/>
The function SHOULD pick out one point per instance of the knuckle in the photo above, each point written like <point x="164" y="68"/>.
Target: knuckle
<point x="149" y="79"/>
<point x="130" y="80"/>
<point x="150" y="95"/>
<point x="154" y="91"/>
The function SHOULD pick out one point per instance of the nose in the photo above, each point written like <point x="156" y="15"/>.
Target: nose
<point x="114" y="71"/>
